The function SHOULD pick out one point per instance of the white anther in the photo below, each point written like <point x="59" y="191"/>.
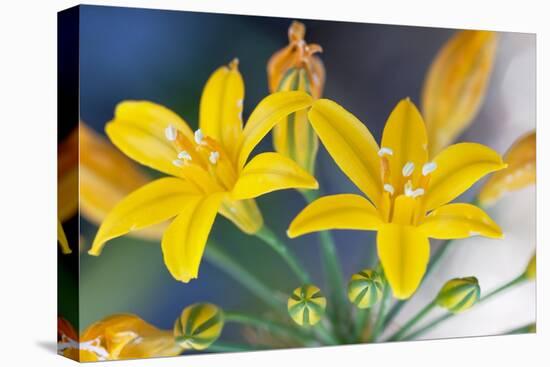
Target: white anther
<point x="389" y="188"/>
<point x="413" y="193"/>
<point x="171" y="133"/>
<point x="199" y="136"/>
<point x="214" y="157"/>
<point x="408" y="169"/>
<point x="184" y="155"/>
<point x="385" y="151"/>
<point x="240" y="103"/>
<point x="178" y="163"/>
<point x="428" y="168"/>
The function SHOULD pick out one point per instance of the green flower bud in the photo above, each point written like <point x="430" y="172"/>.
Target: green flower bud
<point x="531" y="270"/>
<point x="199" y="326"/>
<point x="307" y="305"/>
<point x="365" y="288"/>
<point x="459" y="294"/>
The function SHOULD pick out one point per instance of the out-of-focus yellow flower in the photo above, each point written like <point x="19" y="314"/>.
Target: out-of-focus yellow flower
<point x="456" y="84"/>
<point x="199" y="326"/>
<point x="209" y="168"/>
<point x="408" y="193"/>
<point x="62" y="239"/>
<point x="67" y="186"/>
<point x="531" y="270"/>
<point x="116" y="337"/>
<point x="521" y="170"/>
<point x="306" y="305"/>
<point x="106" y="177"/>
<point x="458" y="295"/>
<point x="297" y="67"/>
<point x="365" y="288"/>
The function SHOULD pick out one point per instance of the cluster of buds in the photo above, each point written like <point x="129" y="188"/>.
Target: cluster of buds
<point x="365" y="288"/>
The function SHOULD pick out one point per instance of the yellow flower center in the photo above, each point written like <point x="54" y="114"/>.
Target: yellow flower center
<point x="203" y="160"/>
<point x="402" y="191"/>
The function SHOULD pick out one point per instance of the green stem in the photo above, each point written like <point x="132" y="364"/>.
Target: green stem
<point x="269" y="325"/>
<point x="488" y="296"/>
<point x="270" y="238"/>
<point x="529" y="328"/>
<point x="378" y="326"/>
<point x="325" y="335"/>
<point x="434" y="261"/>
<point x="361" y="322"/>
<point x="230" y="347"/>
<point x="217" y="256"/>
<point x="333" y="270"/>
<point x="419" y="316"/>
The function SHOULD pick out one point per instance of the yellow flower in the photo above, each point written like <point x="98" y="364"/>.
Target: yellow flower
<point x="106" y="177"/>
<point x="456" y="84"/>
<point x="297" y="67"/>
<point x="521" y="170"/>
<point x="67" y="186"/>
<point x="408" y="193"/>
<point x="62" y="239"/>
<point x="116" y="337"/>
<point x="209" y="168"/>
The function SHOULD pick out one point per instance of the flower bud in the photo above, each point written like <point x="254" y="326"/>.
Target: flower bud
<point x="307" y="305"/>
<point x="459" y="294"/>
<point x="199" y="326"/>
<point x="456" y="84"/>
<point x="531" y="270"/>
<point x="521" y="171"/>
<point x="297" y="67"/>
<point x="365" y="288"/>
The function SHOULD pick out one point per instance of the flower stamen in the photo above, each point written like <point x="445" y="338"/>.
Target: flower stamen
<point x="385" y="151"/>
<point x="214" y="157"/>
<point x="408" y="169"/>
<point x="185" y="156"/>
<point x="171" y="133"/>
<point x="199" y="136"/>
<point x="389" y="188"/>
<point x="428" y="168"/>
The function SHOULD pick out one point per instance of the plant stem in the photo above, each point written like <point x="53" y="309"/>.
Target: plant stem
<point x="361" y="322"/>
<point x="434" y="261"/>
<point x="217" y="256"/>
<point x="270" y="238"/>
<point x="333" y="270"/>
<point x="269" y="325"/>
<point x="419" y="316"/>
<point x="378" y="326"/>
<point x="525" y="329"/>
<point x="488" y="296"/>
<point x="325" y="335"/>
<point x="230" y="347"/>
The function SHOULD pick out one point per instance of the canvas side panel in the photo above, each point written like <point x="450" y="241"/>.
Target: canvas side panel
<point x="67" y="181"/>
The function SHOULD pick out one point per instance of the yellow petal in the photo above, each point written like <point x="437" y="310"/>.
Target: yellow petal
<point x="405" y="134"/>
<point x="126" y="336"/>
<point x="269" y="111"/>
<point x="106" y="177"/>
<point x="245" y="214"/>
<point x="404" y="252"/>
<point x="138" y="130"/>
<point x="269" y="172"/>
<point x="151" y="204"/>
<point x="521" y="171"/>
<point x="62" y="239"/>
<point x="67" y="177"/>
<point x="294" y="136"/>
<point x="459" y="166"/>
<point x="459" y="221"/>
<point x="221" y="107"/>
<point x="350" y="144"/>
<point x="184" y="240"/>
<point x="455" y="85"/>
<point x="344" y="211"/>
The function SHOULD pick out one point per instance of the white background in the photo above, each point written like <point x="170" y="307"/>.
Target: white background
<point x="28" y="181"/>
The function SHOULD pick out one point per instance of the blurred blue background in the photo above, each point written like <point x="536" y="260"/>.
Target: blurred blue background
<point x="166" y="57"/>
